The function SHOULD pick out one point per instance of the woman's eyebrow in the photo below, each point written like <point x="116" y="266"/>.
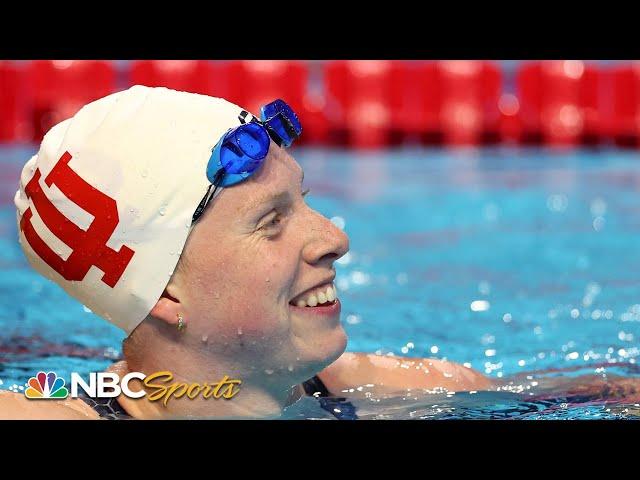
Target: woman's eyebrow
<point x="279" y="198"/>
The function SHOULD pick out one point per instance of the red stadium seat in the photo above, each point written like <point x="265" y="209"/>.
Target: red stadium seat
<point x="529" y="95"/>
<point x="14" y="124"/>
<point x="469" y="112"/>
<point x="562" y="113"/>
<point x="461" y="112"/>
<point x="59" y="88"/>
<point x="594" y="103"/>
<point x="415" y="101"/>
<point x="359" y="101"/>
<point x="624" y="119"/>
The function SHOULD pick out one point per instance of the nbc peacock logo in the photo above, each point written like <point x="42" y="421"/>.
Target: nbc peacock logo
<point x="46" y="386"/>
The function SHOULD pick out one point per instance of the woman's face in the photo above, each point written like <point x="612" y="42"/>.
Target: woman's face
<point x="255" y="257"/>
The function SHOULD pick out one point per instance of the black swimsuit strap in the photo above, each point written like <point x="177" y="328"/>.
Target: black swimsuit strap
<point x="339" y="407"/>
<point x="315" y="387"/>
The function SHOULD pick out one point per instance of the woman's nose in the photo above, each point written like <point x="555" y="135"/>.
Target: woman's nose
<point x="326" y="242"/>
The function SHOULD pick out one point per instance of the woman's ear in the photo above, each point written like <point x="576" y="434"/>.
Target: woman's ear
<point x="167" y="309"/>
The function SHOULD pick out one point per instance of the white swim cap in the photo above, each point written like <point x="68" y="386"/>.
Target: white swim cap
<point x="105" y="206"/>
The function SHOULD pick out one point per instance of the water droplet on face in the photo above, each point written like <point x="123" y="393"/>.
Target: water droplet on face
<point x="290" y="368"/>
<point x="268" y="371"/>
<point x="239" y="331"/>
<point x="205" y="338"/>
<point x="163" y="210"/>
<point x="268" y="280"/>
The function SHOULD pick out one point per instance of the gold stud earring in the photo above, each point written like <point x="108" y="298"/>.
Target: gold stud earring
<point x="181" y="324"/>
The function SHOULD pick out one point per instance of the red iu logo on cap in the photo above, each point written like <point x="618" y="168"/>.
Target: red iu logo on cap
<point x="89" y="247"/>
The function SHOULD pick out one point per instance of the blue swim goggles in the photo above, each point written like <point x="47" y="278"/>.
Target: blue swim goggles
<point x="241" y="150"/>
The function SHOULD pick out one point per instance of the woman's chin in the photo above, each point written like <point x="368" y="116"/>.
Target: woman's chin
<point x="322" y="349"/>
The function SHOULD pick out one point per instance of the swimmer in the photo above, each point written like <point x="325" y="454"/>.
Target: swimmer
<point x="181" y="219"/>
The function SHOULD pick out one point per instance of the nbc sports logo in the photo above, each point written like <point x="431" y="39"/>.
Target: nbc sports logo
<point x="46" y="386"/>
<point x="109" y="385"/>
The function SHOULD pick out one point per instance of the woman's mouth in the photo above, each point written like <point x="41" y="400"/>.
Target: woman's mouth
<point x="321" y="296"/>
<point x="321" y="300"/>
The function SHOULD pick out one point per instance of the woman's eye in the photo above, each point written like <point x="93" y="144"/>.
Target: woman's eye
<point x="274" y="220"/>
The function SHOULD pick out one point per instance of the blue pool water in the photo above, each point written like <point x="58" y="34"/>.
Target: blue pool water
<point x="515" y="261"/>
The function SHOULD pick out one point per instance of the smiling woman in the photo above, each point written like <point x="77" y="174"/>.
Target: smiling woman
<point x="255" y="249"/>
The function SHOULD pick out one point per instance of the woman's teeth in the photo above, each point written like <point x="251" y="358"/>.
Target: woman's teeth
<point x="319" y="297"/>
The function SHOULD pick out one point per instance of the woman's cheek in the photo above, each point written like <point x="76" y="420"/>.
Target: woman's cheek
<point x="253" y="318"/>
<point x="256" y="290"/>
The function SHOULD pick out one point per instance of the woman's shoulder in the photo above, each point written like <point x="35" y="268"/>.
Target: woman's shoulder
<point x="15" y="406"/>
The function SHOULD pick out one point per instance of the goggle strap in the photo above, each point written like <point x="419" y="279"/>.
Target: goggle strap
<point x="243" y="117"/>
<point x="218" y="177"/>
<point x="201" y="206"/>
<point x="207" y="197"/>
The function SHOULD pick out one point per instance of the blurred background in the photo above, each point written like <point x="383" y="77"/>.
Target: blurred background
<point x="493" y="209"/>
<point x="360" y="104"/>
